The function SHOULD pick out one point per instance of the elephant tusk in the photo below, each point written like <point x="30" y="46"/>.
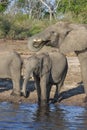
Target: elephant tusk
<point x="37" y="40"/>
<point x="34" y="40"/>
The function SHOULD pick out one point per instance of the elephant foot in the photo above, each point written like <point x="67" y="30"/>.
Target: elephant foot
<point x="25" y="94"/>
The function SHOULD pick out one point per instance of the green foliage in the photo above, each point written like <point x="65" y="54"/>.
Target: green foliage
<point x="12" y="28"/>
<point x="20" y="27"/>
<point x="35" y="29"/>
<point x="37" y="26"/>
<point x="74" y="6"/>
<point x="4" y="26"/>
<point x="3" y="5"/>
<point x="78" y="9"/>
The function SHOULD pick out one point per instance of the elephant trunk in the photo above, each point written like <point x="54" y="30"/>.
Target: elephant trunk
<point x="35" y="45"/>
<point x="36" y="42"/>
<point x="24" y="87"/>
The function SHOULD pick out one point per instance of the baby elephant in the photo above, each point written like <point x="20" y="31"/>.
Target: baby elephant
<point x="48" y="69"/>
<point x="10" y="67"/>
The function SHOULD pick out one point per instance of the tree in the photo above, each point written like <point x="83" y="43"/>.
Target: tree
<point x="51" y="6"/>
<point x="37" y="8"/>
<point x="75" y="6"/>
<point x="33" y="8"/>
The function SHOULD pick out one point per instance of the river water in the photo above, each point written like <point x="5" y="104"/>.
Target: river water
<point x="32" y="117"/>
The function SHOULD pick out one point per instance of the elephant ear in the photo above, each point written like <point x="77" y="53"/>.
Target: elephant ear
<point x="76" y="40"/>
<point x="45" y="64"/>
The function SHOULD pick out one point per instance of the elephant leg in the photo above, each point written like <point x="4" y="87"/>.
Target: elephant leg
<point x="15" y="76"/>
<point x="37" y="84"/>
<point x="84" y="75"/>
<point x="48" y="92"/>
<point x="16" y="86"/>
<point x="43" y="85"/>
<point x="24" y="91"/>
<point x="57" y="91"/>
<point x="83" y="62"/>
<point x="56" y="94"/>
<point x="39" y="94"/>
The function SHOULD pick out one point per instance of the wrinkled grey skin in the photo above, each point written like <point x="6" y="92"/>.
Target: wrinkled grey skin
<point x="68" y="38"/>
<point x="48" y="69"/>
<point x="71" y="35"/>
<point x="10" y="67"/>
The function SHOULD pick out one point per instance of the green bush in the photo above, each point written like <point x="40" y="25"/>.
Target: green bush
<point x="4" y="27"/>
<point x="13" y="28"/>
<point x="20" y="27"/>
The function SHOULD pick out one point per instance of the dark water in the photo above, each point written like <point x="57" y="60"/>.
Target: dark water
<point x="32" y="117"/>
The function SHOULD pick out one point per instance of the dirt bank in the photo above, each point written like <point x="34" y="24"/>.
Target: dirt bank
<point x="72" y="93"/>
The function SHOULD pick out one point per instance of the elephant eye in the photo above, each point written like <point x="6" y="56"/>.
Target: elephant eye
<point x="53" y="33"/>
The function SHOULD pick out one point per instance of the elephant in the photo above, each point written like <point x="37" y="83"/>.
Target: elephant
<point x="10" y="67"/>
<point x="68" y="37"/>
<point x="48" y="69"/>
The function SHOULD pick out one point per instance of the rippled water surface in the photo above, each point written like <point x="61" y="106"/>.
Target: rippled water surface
<point x="32" y="117"/>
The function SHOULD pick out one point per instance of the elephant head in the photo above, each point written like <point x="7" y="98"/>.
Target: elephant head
<point x="39" y="64"/>
<point x="36" y="42"/>
<point x="65" y="36"/>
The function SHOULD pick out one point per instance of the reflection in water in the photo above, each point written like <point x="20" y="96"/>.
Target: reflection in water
<point x="33" y="117"/>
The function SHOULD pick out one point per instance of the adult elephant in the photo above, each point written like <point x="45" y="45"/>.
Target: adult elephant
<point x="10" y="67"/>
<point x="48" y="69"/>
<point x="68" y="38"/>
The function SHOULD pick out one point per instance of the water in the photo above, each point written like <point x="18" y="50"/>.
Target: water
<point x="33" y="117"/>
